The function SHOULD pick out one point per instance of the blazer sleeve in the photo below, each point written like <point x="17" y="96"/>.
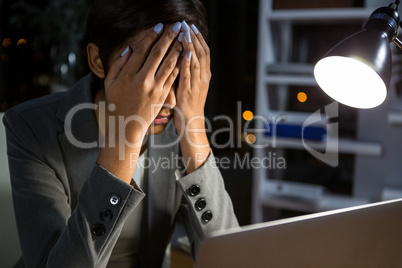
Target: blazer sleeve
<point x="50" y="233"/>
<point x="207" y="207"/>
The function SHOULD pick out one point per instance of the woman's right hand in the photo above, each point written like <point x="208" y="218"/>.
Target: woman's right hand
<point x="137" y="85"/>
<point x="139" y="81"/>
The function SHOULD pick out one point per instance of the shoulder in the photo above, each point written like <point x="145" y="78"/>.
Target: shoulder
<point x="36" y="107"/>
<point x="49" y="109"/>
<point x="33" y="112"/>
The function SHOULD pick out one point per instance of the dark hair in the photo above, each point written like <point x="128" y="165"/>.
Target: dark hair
<point x="112" y="22"/>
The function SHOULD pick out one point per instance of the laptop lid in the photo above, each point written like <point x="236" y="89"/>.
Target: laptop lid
<point x="363" y="236"/>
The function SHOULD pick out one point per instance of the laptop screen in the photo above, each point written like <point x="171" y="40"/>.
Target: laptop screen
<point x="362" y="236"/>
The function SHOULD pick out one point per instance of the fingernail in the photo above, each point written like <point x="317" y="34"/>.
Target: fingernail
<point x="158" y="28"/>
<point x="125" y="51"/>
<point x="183" y="53"/>
<point x="176" y="27"/>
<point x="188" y="37"/>
<point x="195" y="30"/>
<point x="185" y="26"/>
<point x="181" y="37"/>
<point x="189" y="55"/>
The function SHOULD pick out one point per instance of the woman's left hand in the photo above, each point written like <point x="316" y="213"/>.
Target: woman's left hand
<point x="195" y="75"/>
<point x="191" y="94"/>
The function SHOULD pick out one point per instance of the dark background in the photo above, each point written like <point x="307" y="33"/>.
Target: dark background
<point x="53" y="29"/>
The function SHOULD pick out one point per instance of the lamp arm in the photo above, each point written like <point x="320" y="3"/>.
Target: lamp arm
<point x="394" y="5"/>
<point x="397" y="42"/>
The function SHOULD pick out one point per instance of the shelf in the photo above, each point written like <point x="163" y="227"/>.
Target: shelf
<point x="290" y="80"/>
<point x="328" y="202"/>
<point x="395" y="118"/>
<point x="304" y="197"/>
<point x="291" y="117"/>
<point x="391" y="193"/>
<point x="320" y="14"/>
<point x="291" y="68"/>
<point x="275" y="76"/>
<point x="293" y="189"/>
<point x="345" y="146"/>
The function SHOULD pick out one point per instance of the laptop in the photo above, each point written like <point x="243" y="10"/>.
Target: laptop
<point x="363" y="236"/>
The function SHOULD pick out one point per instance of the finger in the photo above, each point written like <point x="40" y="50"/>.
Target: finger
<point x="170" y="62"/>
<point x="190" y="56"/>
<point x="203" y="43"/>
<point x="202" y="55"/>
<point x="173" y="75"/>
<point x="160" y="49"/>
<point x="142" y="49"/>
<point x="116" y="66"/>
<point x="185" y="75"/>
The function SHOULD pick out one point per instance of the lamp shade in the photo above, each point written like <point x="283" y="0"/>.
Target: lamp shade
<point x="357" y="71"/>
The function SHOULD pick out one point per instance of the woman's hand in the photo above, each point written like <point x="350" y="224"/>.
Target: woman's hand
<point x="191" y="94"/>
<point x="195" y="75"/>
<point x="137" y="85"/>
<point x="139" y="81"/>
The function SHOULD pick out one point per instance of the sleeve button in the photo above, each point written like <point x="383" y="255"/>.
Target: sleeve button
<point x="106" y="215"/>
<point x="194" y="190"/>
<point x="200" y="204"/>
<point x="207" y="216"/>
<point x="114" y="200"/>
<point x="98" y="229"/>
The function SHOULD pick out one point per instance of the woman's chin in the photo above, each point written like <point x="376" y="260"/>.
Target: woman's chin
<point x="156" y="129"/>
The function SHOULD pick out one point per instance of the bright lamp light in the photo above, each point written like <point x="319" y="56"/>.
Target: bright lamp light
<point x="350" y="82"/>
<point x="357" y="71"/>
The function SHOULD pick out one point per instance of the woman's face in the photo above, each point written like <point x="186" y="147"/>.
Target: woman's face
<point x="165" y="114"/>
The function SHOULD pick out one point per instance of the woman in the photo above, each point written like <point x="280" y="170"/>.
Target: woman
<point x="99" y="173"/>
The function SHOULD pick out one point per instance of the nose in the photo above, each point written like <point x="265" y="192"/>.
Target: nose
<point x="170" y="101"/>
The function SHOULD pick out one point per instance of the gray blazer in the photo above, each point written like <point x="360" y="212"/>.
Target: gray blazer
<point x="60" y="194"/>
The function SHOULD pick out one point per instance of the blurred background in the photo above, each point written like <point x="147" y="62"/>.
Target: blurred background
<point x="43" y="50"/>
<point x="257" y="48"/>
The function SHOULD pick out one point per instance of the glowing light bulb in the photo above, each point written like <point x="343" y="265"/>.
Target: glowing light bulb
<point x="350" y="82"/>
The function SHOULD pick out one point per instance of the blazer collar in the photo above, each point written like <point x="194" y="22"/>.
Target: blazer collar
<point x="75" y="98"/>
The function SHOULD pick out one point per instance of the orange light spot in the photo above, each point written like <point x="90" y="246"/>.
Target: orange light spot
<point x="251" y="138"/>
<point x="6" y="42"/>
<point x="248" y="115"/>
<point x="21" y="41"/>
<point x="302" y="97"/>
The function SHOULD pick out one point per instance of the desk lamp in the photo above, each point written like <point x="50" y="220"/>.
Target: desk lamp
<point x="357" y="71"/>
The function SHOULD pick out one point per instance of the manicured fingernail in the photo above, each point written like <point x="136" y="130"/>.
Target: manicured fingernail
<point x="195" y="30"/>
<point x="185" y="26"/>
<point x="158" y="28"/>
<point x="125" y="51"/>
<point x="176" y="27"/>
<point x="189" y="55"/>
<point x="188" y="37"/>
<point x="180" y="37"/>
<point x="183" y="53"/>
